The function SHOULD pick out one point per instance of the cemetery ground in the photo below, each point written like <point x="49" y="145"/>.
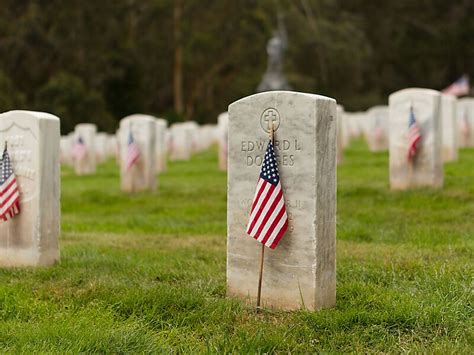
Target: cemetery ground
<point x="147" y="272"/>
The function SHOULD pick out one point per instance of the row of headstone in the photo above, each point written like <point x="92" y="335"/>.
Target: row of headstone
<point x="457" y="121"/>
<point x="97" y="147"/>
<point x="301" y="271"/>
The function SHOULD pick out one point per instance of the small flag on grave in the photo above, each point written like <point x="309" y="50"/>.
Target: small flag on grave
<point x="9" y="193"/>
<point x="459" y="88"/>
<point x="133" y="152"/>
<point x="268" y="218"/>
<point x="414" y="136"/>
<point x="79" y="151"/>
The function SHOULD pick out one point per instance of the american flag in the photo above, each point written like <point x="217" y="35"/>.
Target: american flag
<point x="133" y="152"/>
<point x="79" y="150"/>
<point x="268" y="219"/>
<point x="459" y="88"/>
<point x="9" y="193"/>
<point x="414" y="135"/>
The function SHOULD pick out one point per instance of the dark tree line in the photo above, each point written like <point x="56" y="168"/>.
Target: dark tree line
<point x="97" y="61"/>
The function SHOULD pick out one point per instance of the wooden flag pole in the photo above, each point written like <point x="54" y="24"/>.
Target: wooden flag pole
<point x="262" y="255"/>
<point x="259" y="293"/>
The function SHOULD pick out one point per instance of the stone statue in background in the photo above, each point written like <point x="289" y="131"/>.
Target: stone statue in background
<point x="274" y="78"/>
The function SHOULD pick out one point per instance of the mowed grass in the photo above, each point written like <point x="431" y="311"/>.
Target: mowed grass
<point x="146" y="273"/>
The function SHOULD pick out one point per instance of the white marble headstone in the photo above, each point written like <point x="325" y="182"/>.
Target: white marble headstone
<point x="223" y="131"/>
<point x="87" y="131"/>
<point x="301" y="271"/>
<point x="340" y="133"/>
<point x="65" y="150"/>
<point x="377" y="132"/>
<point x="181" y="141"/>
<point x="426" y="170"/>
<point x="449" y="128"/>
<point x="465" y="119"/>
<point x="142" y="175"/>
<point x="161" y="150"/>
<point x="31" y="238"/>
<point x="101" y="147"/>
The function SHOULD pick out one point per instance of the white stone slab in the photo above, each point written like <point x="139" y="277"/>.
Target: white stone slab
<point x="377" y="133"/>
<point x="142" y="176"/>
<point x="161" y="149"/>
<point x="301" y="271"/>
<point x="181" y="141"/>
<point x="87" y="131"/>
<point x="31" y="238"/>
<point x="449" y="128"/>
<point x="465" y="113"/>
<point x="340" y="134"/>
<point x="101" y="147"/>
<point x="65" y="145"/>
<point x="427" y="168"/>
<point x="223" y="131"/>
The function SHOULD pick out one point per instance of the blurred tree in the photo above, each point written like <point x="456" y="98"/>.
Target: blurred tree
<point x="188" y="59"/>
<point x="73" y="103"/>
<point x="10" y="98"/>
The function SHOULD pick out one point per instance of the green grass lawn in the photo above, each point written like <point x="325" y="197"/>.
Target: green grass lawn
<point x="147" y="272"/>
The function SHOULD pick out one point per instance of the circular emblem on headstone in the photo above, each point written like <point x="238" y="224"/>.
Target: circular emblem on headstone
<point x="269" y="116"/>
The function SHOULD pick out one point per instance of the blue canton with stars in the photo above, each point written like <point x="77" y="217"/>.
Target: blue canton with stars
<point x="5" y="168"/>
<point x="270" y="168"/>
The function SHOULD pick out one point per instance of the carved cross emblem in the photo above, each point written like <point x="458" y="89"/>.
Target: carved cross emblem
<point x="269" y="116"/>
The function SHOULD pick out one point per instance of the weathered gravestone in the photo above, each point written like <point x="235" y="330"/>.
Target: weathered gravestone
<point x="301" y="271"/>
<point x="141" y="130"/>
<point x="426" y="168"/>
<point x="86" y="164"/>
<point x="449" y="128"/>
<point x="180" y="142"/>
<point x="377" y="128"/>
<point x="465" y="113"/>
<point x="193" y="133"/>
<point x="206" y="136"/>
<point x="340" y="134"/>
<point x="223" y="131"/>
<point x="31" y="238"/>
<point x="101" y="147"/>
<point x="160" y="145"/>
<point x="65" y="150"/>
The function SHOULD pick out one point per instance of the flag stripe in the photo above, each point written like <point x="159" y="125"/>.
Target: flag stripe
<point x="14" y="198"/>
<point x="11" y="180"/>
<point x="279" y="235"/>
<point x="9" y="192"/>
<point x="263" y="205"/>
<point x="253" y="212"/>
<point x="276" y="231"/>
<point x="9" y="195"/>
<point x="259" y="190"/>
<point x="281" y="215"/>
<point x="265" y="233"/>
<point x="272" y="203"/>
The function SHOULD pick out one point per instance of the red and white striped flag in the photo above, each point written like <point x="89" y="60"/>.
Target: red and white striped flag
<point x="133" y="152"/>
<point x="9" y="193"/>
<point x="268" y="218"/>
<point x="459" y="88"/>
<point x="79" y="151"/>
<point x="414" y="136"/>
